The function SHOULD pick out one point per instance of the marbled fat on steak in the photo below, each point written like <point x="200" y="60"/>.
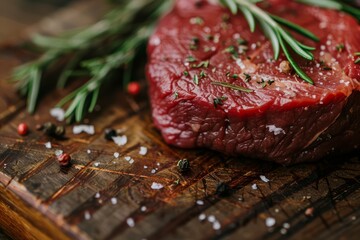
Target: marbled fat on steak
<point x="284" y="119"/>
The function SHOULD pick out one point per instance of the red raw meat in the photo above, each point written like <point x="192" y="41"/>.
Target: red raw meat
<point x="284" y="119"/>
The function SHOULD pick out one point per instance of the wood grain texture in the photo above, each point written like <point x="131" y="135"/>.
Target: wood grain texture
<point x="38" y="200"/>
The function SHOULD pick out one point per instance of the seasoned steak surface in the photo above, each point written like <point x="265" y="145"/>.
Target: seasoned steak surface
<point x="284" y="119"/>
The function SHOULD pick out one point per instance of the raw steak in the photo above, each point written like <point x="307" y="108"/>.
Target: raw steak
<point x="284" y="119"/>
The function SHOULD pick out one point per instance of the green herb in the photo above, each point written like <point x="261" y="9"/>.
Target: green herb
<point x="235" y="76"/>
<point x="247" y="77"/>
<point x="233" y="51"/>
<point x="279" y="37"/>
<point x="265" y="83"/>
<point x="202" y="74"/>
<point x="183" y="165"/>
<point x="358" y="59"/>
<point x="194" y="43"/>
<point x="196" y="79"/>
<point x="241" y="41"/>
<point x="340" y="47"/>
<point x="232" y="86"/>
<point x="120" y="24"/>
<point x="219" y="101"/>
<point x="186" y="73"/>
<point x="197" y="21"/>
<point x="176" y="95"/>
<point x="332" y="4"/>
<point x="190" y="59"/>
<point x="204" y="64"/>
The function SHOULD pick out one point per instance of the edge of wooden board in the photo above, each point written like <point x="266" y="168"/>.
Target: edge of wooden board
<point x="38" y="222"/>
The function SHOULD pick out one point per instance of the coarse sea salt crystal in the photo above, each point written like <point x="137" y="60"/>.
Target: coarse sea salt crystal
<point x="216" y="225"/>
<point x="113" y="201"/>
<point x="211" y="218"/>
<point x="58" y="114"/>
<point x="131" y="161"/>
<point x="88" y="151"/>
<point x="200" y="202"/>
<point x="156" y="186"/>
<point x="275" y="130"/>
<point x="89" y="129"/>
<point x="270" y="222"/>
<point x="145" y="167"/>
<point x="130" y="222"/>
<point x="58" y="152"/>
<point x="143" y="208"/>
<point x="153" y="171"/>
<point x="127" y="158"/>
<point x="254" y="186"/>
<point x="96" y="164"/>
<point x="120" y="140"/>
<point x="97" y="195"/>
<point x="264" y="179"/>
<point x="87" y="215"/>
<point x="48" y="145"/>
<point x="143" y="151"/>
<point x="202" y="217"/>
<point x="116" y="155"/>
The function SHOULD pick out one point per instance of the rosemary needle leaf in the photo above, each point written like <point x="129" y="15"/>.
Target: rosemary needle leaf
<point x="232" y="86"/>
<point x="231" y="5"/>
<point x="295" y="27"/>
<point x="94" y="99"/>
<point x="249" y="17"/>
<point x="296" y="67"/>
<point x="34" y="81"/>
<point x="294" y="45"/>
<point x="269" y="32"/>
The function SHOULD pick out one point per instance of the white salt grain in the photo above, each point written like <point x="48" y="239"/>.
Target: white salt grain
<point x="96" y="164"/>
<point x="97" y="195"/>
<point x="264" y="179"/>
<point x="87" y="215"/>
<point x="131" y="161"/>
<point x="145" y="167"/>
<point x="143" y="208"/>
<point x="58" y="114"/>
<point x="153" y="171"/>
<point x="127" y="158"/>
<point x="48" y="145"/>
<point x="120" y="140"/>
<point x="58" y="152"/>
<point x="130" y="222"/>
<point x="200" y="202"/>
<point x="88" y="151"/>
<point x="286" y="225"/>
<point x="116" y="155"/>
<point x="156" y="186"/>
<point x="89" y="129"/>
<point x="211" y="218"/>
<point x="275" y="130"/>
<point x="216" y="225"/>
<point x="113" y="201"/>
<point x="202" y="217"/>
<point x="270" y="222"/>
<point x="254" y="186"/>
<point x="143" y="151"/>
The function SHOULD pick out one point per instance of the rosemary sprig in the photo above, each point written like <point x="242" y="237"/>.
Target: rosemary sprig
<point x="336" y="5"/>
<point x="232" y="86"/>
<point x="121" y="24"/>
<point x="278" y="36"/>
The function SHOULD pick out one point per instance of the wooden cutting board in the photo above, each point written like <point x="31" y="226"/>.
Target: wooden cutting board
<point x="103" y="197"/>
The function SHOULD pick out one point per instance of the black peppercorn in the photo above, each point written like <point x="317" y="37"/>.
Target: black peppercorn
<point x="222" y="189"/>
<point x="49" y="128"/>
<point x="110" y="133"/>
<point x="59" y="131"/>
<point x="183" y="165"/>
